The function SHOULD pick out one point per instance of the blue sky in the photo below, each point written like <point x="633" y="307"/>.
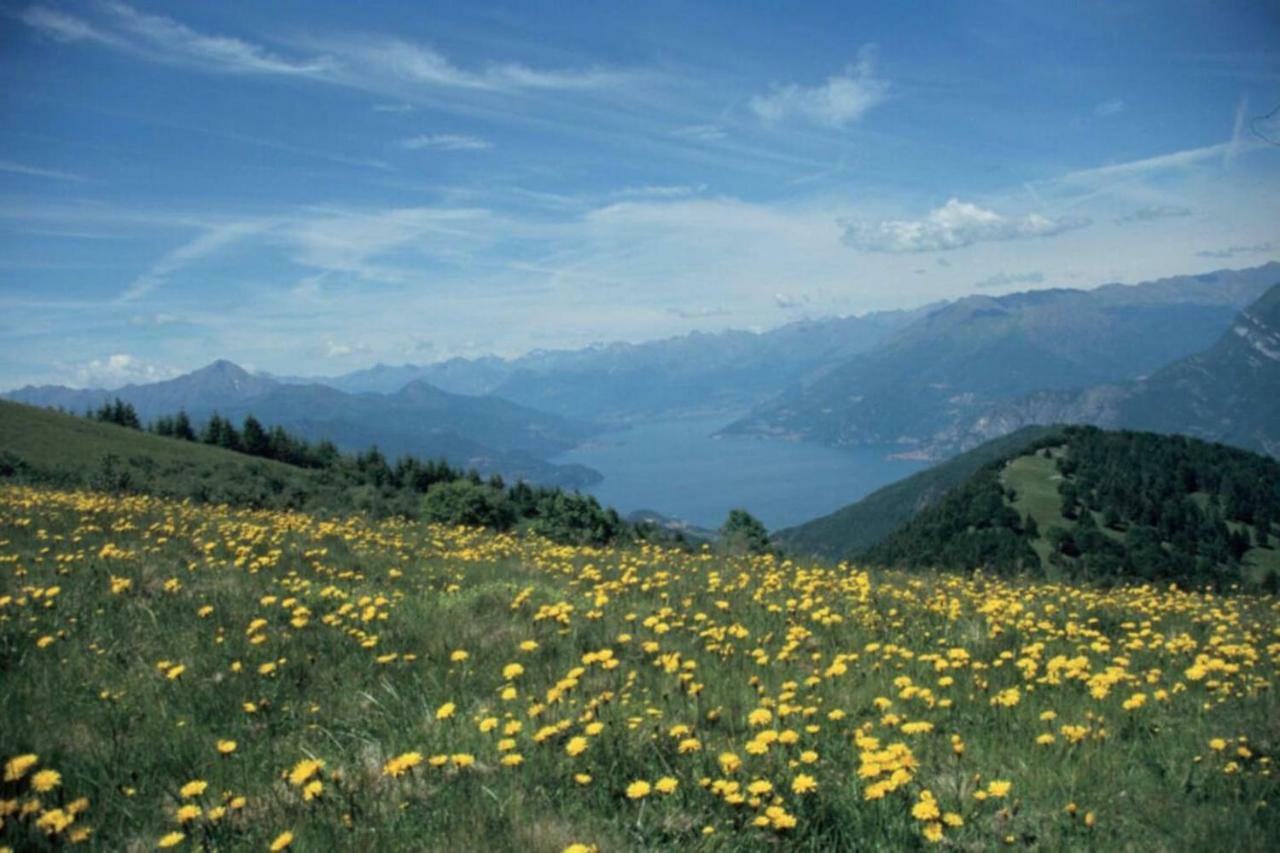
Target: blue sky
<point x="310" y="187"/>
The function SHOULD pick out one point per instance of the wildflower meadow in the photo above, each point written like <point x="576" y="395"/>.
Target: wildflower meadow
<point x="200" y="677"/>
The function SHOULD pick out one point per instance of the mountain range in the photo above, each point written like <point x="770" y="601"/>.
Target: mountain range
<point x="624" y="382"/>
<point x="1230" y="392"/>
<point x="931" y="387"/>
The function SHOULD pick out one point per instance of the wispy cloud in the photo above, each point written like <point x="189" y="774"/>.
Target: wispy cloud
<point x="446" y="142"/>
<point x="661" y="191"/>
<point x="1133" y="168"/>
<point x="207" y="243"/>
<point x="1153" y="212"/>
<point x="1005" y="279"/>
<point x="838" y="102"/>
<point x="953" y="226"/>
<point x="1233" y="251"/>
<point x="699" y="132"/>
<point x="37" y="172"/>
<point x="165" y="40"/>
<point x="1115" y="106"/>
<point x="373" y="63"/>
<point x="1237" y="133"/>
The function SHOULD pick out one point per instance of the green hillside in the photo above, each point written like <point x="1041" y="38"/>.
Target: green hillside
<point x="42" y="446"/>
<point x="1106" y="506"/>
<point x="851" y="530"/>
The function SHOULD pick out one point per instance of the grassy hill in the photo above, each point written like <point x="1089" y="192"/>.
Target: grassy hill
<point x="205" y="677"/>
<point x="42" y="446"/>
<point x="1106" y="506"/>
<point x="849" y="531"/>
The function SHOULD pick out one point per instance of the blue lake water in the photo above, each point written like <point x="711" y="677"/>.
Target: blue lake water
<point x="677" y="468"/>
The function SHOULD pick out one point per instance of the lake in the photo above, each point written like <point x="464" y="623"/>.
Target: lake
<point x="677" y="468"/>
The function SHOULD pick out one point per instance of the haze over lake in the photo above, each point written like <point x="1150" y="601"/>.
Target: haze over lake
<point x="680" y="468"/>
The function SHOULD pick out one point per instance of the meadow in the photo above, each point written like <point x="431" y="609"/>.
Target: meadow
<point x="192" y="676"/>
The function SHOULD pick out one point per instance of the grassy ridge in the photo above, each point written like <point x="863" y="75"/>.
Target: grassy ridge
<point x="849" y="531"/>
<point x="236" y="679"/>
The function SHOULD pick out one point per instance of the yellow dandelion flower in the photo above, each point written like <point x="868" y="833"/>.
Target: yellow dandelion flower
<point x="45" y="781"/>
<point x="194" y="788"/>
<point x="804" y="784"/>
<point x="15" y="768"/>
<point x="282" y="841"/>
<point x="638" y="790"/>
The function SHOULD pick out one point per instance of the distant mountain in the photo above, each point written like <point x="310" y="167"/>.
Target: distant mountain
<point x="849" y="531"/>
<point x="1229" y="393"/>
<point x="621" y="382"/>
<point x="216" y="386"/>
<point x="938" y="374"/>
<point x="1106" y="506"/>
<point x="486" y="433"/>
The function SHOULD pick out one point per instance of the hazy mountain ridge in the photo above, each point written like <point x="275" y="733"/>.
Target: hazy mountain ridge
<point x="697" y="372"/>
<point x="939" y="375"/>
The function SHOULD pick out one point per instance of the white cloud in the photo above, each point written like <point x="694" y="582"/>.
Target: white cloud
<point x="953" y="226"/>
<point x="841" y="100"/>
<point x="393" y="108"/>
<point x="342" y="350"/>
<point x="446" y="142"/>
<point x="119" y="369"/>
<point x="37" y="172"/>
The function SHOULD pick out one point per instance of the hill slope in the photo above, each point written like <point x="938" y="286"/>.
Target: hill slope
<point x="38" y="445"/>
<point x="851" y="530"/>
<point x="1230" y="392"/>
<point x="946" y="369"/>
<point x="1106" y="506"/>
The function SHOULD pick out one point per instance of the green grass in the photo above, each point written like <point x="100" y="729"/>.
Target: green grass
<point x="1035" y="480"/>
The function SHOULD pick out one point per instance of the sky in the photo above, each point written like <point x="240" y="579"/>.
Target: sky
<point x="311" y="187"/>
